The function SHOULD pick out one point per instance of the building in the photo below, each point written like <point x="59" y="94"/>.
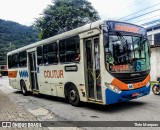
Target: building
<point x="154" y="40"/>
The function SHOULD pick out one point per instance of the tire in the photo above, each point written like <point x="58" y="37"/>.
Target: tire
<point x="73" y="96"/>
<point x="156" y="89"/>
<point x="23" y="88"/>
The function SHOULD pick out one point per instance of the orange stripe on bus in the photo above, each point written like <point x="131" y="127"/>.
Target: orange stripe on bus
<point x="119" y="84"/>
<point x="12" y="74"/>
<point x="124" y="86"/>
<point x="143" y="83"/>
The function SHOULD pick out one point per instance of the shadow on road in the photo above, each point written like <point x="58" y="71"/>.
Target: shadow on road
<point x="114" y="107"/>
<point x="122" y="106"/>
<point x="45" y="97"/>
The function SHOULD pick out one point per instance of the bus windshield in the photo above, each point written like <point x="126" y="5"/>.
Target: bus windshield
<point x="127" y="53"/>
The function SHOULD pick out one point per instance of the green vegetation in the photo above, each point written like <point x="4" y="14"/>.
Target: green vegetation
<point x="154" y="82"/>
<point x="13" y="36"/>
<point x="62" y="16"/>
<point x="65" y="15"/>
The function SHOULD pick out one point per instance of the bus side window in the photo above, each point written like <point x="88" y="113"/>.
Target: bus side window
<point x="23" y="59"/>
<point x="45" y="51"/>
<point x="62" y="48"/>
<point x="50" y="53"/>
<point x="15" y="61"/>
<point x="40" y="55"/>
<point x="69" y="50"/>
<point x="10" y="61"/>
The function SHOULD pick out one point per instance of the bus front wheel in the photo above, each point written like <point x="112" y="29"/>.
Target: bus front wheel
<point x="73" y="96"/>
<point x="23" y="88"/>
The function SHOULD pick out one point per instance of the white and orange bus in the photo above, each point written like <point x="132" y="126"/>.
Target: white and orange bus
<point x="103" y="62"/>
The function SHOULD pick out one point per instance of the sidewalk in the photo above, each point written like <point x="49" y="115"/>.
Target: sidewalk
<point x="9" y="111"/>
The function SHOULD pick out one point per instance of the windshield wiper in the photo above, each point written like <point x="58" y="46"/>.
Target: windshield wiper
<point x="120" y="36"/>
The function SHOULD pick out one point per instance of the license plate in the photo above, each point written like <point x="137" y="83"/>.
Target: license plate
<point x="135" y="94"/>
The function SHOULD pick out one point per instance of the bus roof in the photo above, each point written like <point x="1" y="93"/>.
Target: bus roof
<point x="59" y="36"/>
<point x="64" y="35"/>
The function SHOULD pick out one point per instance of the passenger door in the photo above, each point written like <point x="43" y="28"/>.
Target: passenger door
<point x="33" y="70"/>
<point x="93" y="76"/>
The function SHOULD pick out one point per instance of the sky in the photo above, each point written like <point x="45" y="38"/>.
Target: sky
<point x="26" y="11"/>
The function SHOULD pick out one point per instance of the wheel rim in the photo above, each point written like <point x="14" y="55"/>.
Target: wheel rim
<point x="23" y="90"/>
<point x="156" y="90"/>
<point x="72" y="95"/>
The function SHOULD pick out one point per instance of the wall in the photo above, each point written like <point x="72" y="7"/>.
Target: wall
<point x="155" y="63"/>
<point x="155" y="53"/>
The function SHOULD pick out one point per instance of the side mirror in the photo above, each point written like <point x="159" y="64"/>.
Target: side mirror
<point x="150" y="52"/>
<point x="149" y="46"/>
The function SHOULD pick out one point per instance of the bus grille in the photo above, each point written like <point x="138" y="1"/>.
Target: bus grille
<point x="133" y="80"/>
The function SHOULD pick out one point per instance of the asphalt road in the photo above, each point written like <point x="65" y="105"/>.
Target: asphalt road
<point x="48" y="108"/>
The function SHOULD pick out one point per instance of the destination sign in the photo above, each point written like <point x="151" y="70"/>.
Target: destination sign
<point x="120" y="67"/>
<point x="125" y="27"/>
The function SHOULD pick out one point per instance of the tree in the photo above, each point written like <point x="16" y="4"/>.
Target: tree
<point x="14" y="35"/>
<point x="65" y="15"/>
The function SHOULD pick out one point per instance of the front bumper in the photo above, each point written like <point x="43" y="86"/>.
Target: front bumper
<point x="112" y="97"/>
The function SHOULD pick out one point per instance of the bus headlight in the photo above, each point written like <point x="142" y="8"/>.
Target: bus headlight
<point x="148" y="84"/>
<point x="112" y="87"/>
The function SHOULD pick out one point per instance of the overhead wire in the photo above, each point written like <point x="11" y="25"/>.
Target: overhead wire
<point x="129" y="4"/>
<point x="157" y="20"/>
<point x="146" y="19"/>
<point x="139" y="11"/>
<point x="134" y="3"/>
<point x="121" y="6"/>
<point x="142" y="14"/>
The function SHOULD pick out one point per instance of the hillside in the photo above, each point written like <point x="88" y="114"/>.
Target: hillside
<point x="14" y="35"/>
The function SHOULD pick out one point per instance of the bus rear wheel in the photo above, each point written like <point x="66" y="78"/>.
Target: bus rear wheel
<point x="23" y="88"/>
<point x="73" y="96"/>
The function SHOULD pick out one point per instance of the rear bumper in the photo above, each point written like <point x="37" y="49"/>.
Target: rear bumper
<point x="112" y="97"/>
